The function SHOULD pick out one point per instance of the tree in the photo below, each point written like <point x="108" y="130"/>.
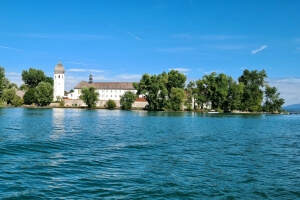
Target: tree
<point x="2" y="76"/>
<point x="44" y="93"/>
<point x="110" y="104"/>
<point x="175" y="80"/>
<point x="234" y="95"/>
<point x="12" y="85"/>
<point x="127" y="100"/>
<point x="89" y="97"/>
<point x="33" y="77"/>
<point x="153" y="87"/>
<point x="17" y="101"/>
<point x="252" y="95"/>
<point x="176" y="99"/>
<point x="272" y="100"/>
<point x="9" y="95"/>
<point x="191" y="95"/>
<point x="30" y="96"/>
<point x="49" y="80"/>
<point x="23" y="87"/>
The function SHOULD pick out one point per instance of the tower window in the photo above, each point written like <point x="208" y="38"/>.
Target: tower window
<point x="58" y="76"/>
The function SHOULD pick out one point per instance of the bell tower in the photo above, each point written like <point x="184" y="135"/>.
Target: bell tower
<point x="59" y="81"/>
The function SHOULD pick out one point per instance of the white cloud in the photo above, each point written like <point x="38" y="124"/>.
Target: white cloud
<point x="10" y="48"/>
<point x="77" y="63"/>
<point x="259" y="49"/>
<point x="209" y="72"/>
<point x="182" y="70"/>
<point x="288" y="88"/>
<point x="77" y="70"/>
<point x="287" y="80"/>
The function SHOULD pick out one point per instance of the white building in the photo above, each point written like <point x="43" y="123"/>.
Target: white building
<point x="106" y="90"/>
<point x="59" y="82"/>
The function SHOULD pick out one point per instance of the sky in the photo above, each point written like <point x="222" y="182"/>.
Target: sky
<point x="119" y="40"/>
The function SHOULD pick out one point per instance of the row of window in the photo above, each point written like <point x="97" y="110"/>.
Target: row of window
<point x="120" y="91"/>
<point x="62" y="76"/>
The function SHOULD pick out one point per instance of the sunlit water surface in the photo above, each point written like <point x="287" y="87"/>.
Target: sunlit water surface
<point x="102" y="154"/>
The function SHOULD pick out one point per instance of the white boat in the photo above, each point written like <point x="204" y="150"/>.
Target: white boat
<point x="212" y="111"/>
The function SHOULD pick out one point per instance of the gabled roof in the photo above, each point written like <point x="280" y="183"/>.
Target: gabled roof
<point x="106" y="85"/>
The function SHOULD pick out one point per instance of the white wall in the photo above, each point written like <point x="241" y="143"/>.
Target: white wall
<point x="59" y="86"/>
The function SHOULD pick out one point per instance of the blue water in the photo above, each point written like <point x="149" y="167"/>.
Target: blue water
<point x="103" y="154"/>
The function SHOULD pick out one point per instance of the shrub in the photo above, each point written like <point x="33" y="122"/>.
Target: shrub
<point x="110" y="104"/>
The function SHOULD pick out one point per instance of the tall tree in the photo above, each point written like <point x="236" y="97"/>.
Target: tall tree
<point x="44" y="94"/>
<point x="89" y="97"/>
<point x="175" y="80"/>
<point x="2" y="76"/>
<point x="191" y="95"/>
<point x="176" y="99"/>
<point x="153" y="87"/>
<point x="253" y="95"/>
<point x="272" y="100"/>
<point x="234" y="96"/>
<point x="33" y="77"/>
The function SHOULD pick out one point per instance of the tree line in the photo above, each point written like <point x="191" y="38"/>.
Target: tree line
<point x="222" y="92"/>
<point x="37" y="86"/>
<point x="165" y="91"/>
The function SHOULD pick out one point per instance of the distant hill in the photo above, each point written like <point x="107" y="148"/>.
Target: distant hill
<point x="292" y="108"/>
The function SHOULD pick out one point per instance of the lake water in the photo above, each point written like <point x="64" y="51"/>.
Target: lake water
<point x="103" y="154"/>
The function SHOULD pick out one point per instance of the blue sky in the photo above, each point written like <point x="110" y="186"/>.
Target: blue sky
<point x="118" y="40"/>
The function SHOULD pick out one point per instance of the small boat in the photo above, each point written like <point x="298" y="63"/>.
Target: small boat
<point x="212" y="111"/>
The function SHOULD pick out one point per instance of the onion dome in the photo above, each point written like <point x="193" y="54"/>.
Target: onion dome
<point x="59" y="69"/>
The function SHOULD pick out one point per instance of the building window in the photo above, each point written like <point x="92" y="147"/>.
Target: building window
<point x="58" y="76"/>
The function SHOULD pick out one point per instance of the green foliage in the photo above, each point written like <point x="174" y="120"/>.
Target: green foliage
<point x="191" y="91"/>
<point x="23" y="87"/>
<point x="9" y="95"/>
<point x="234" y="96"/>
<point x="33" y="77"/>
<point x="252" y="95"/>
<point x="175" y="80"/>
<point x="49" y="80"/>
<point x="110" y="104"/>
<point x="272" y="100"/>
<point x="89" y="97"/>
<point x="71" y="91"/>
<point x="127" y="100"/>
<point x="176" y="99"/>
<point x="157" y="88"/>
<point x="12" y="85"/>
<point x="17" y="101"/>
<point x="153" y="87"/>
<point x="62" y="103"/>
<point x="2" y="76"/>
<point x="30" y="96"/>
<point x="44" y="93"/>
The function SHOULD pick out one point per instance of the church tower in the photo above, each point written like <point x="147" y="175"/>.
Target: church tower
<point x="59" y="81"/>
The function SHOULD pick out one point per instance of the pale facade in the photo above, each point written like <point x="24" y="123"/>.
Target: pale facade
<point x="106" y="90"/>
<point x="59" y="82"/>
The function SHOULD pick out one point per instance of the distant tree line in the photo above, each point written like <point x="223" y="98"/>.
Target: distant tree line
<point x="165" y="91"/>
<point x="168" y="91"/>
